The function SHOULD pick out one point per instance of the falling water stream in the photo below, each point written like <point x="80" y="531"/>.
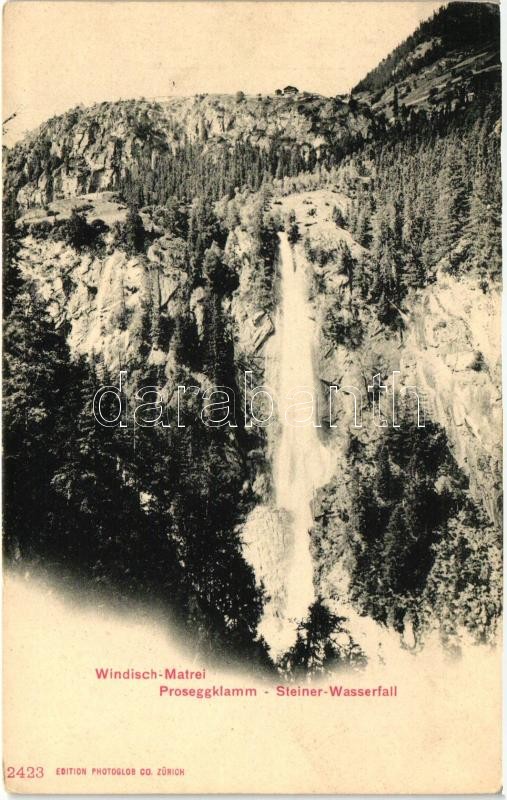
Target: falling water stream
<point x="301" y="463"/>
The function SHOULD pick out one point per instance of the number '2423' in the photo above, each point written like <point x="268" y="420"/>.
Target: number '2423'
<point x="25" y="772"/>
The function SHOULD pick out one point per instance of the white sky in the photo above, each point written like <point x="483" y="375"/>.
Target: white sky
<point x="58" y="54"/>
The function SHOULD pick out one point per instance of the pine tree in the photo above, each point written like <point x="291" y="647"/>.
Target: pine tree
<point x="37" y="375"/>
<point x="134" y="232"/>
<point x="484" y="223"/>
<point x="317" y="650"/>
<point x="292" y="227"/>
<point x="452" y="205"/>
<point x="384" y="484"/>
<point x="395" y="103"/>
<point x="12" y="281"/>
<point x="346" y="262"/>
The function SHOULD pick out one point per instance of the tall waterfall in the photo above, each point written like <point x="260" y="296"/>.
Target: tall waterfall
<point x="277" y="539"/>
<point x="300" y="460"/>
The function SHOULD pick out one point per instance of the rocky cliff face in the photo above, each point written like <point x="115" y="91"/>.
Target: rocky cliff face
<point x="92" y="149"/>
<point x="106" y="300"/>
<point x="452" y="352"/>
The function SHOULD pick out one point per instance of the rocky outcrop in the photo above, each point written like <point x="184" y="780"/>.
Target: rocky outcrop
<point x="253" y="324"/>
<point x="452" y="352"/>
<point x="112" y="300"/>
<point x="449" y="352"/>
<point x="92" y="149"/>
<point x="106" y="300"/>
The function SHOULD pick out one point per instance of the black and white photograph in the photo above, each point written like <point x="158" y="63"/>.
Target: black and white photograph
<point x="252" y="396"/>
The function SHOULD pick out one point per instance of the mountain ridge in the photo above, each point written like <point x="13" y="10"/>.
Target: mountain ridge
<point x="280" y="134"/>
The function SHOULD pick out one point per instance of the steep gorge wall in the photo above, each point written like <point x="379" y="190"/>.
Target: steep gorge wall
<point x="449" y="352"/>
<point x="452" y="350"/>
<point x="106" y="299"/>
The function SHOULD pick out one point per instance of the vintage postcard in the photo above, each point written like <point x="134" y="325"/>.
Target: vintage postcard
<point x="252" y="409"/>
